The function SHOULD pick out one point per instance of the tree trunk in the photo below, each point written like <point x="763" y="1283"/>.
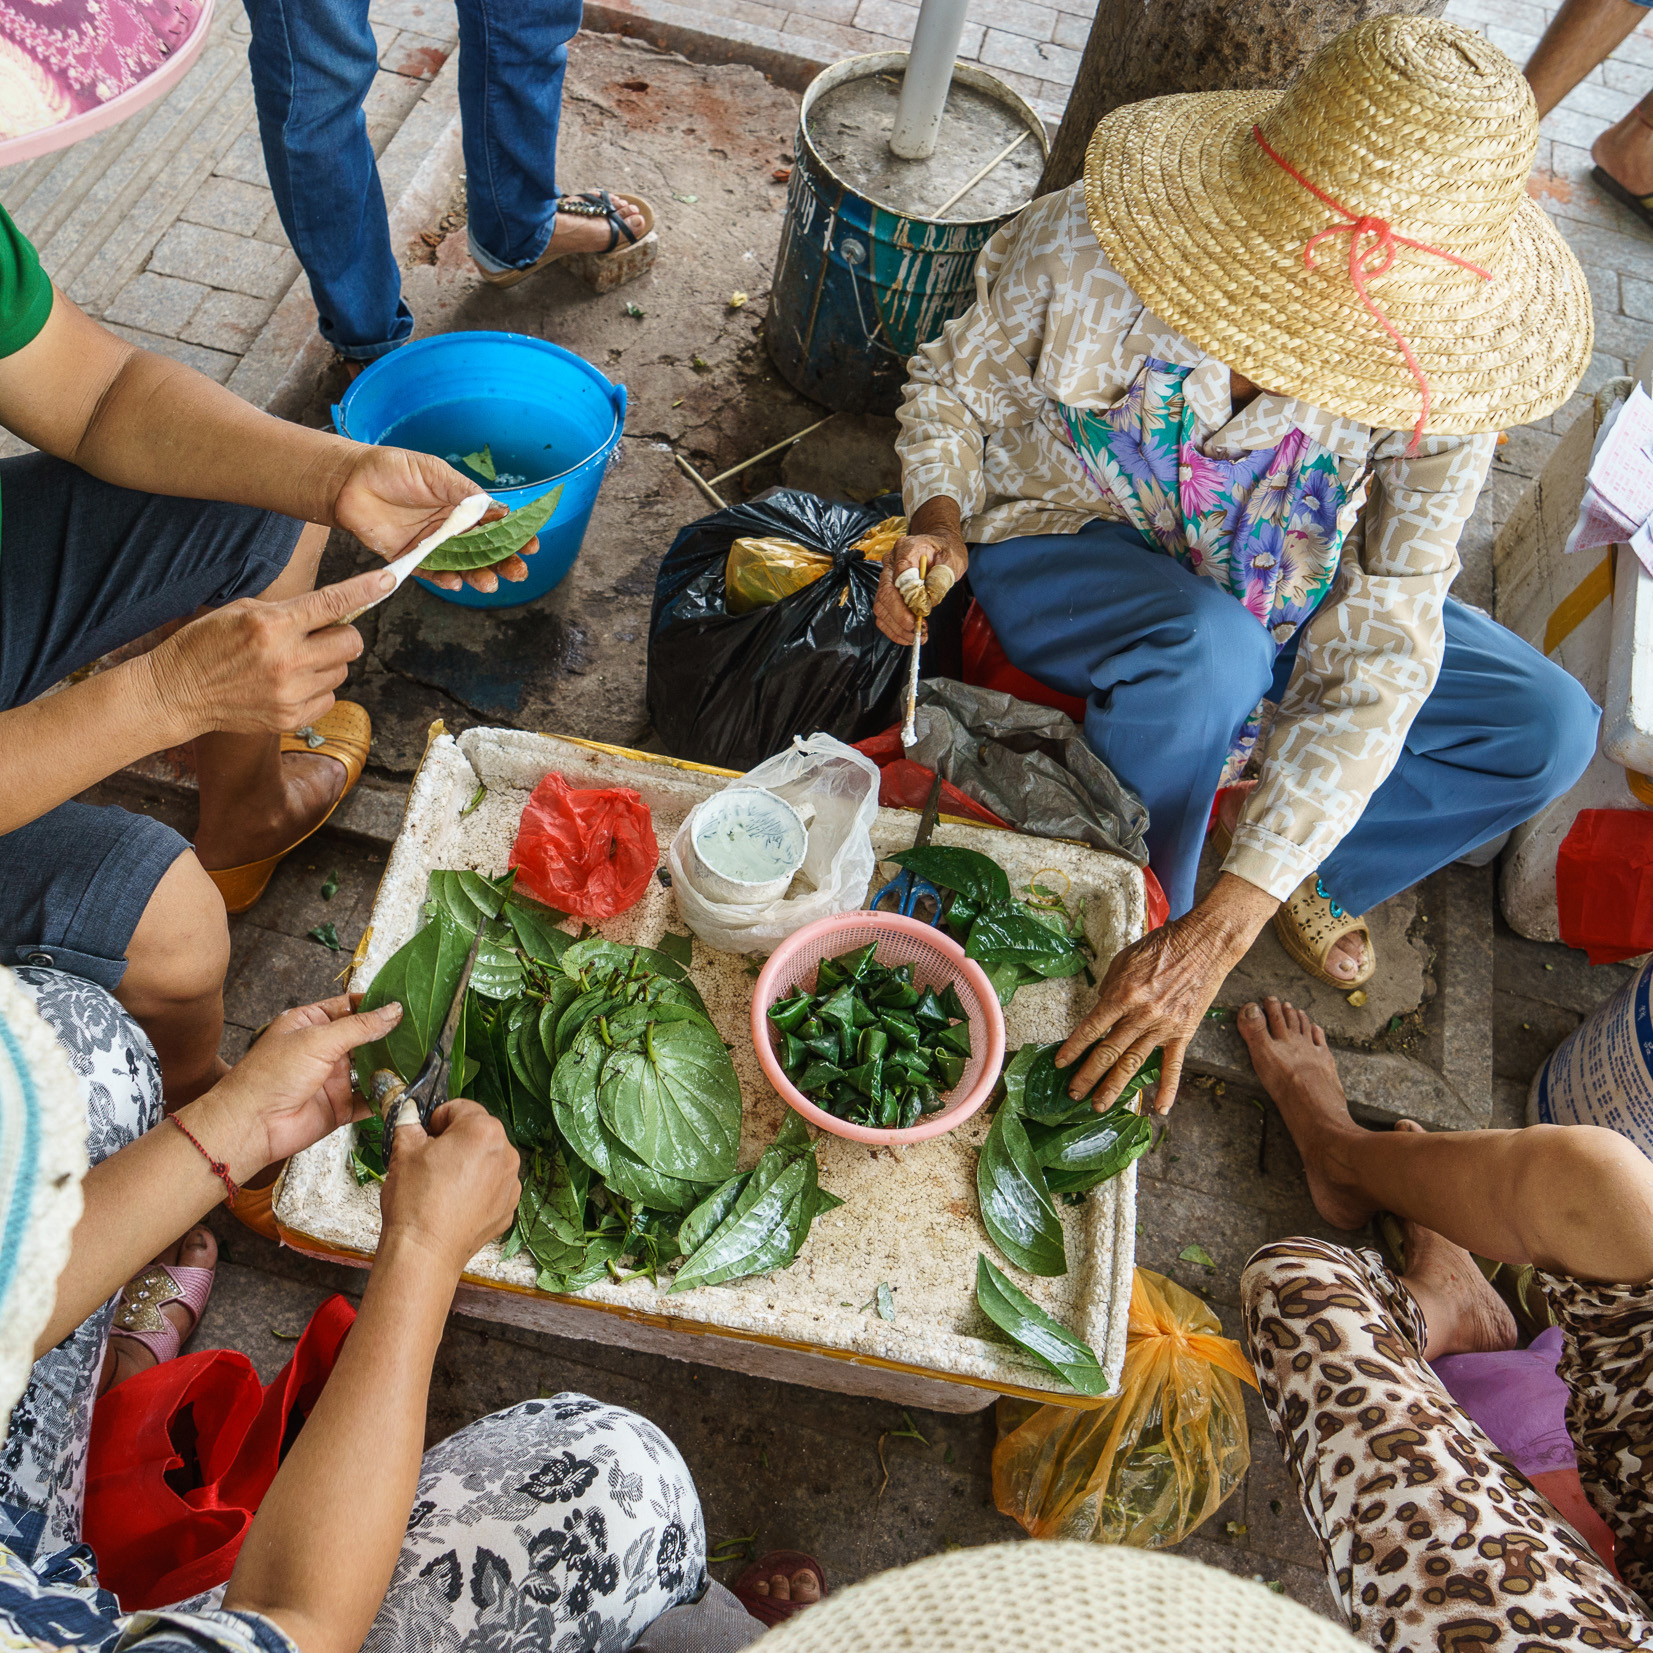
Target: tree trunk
<point x="1148" y="48"/>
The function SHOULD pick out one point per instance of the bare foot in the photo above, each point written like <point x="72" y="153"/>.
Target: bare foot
<point x="1462" y="1312"/>
<point x="240" y="830"/>
<point x="1289" y="1052"/>
<point x="126" y="1357"/>
<point x="802" y="1587"/>
<point x="574" y="233"/>
<point x="1625" y="152"/>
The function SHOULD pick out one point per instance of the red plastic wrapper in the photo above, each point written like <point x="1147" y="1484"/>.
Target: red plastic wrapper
<point x="589" y="853"/>
<point x="204" y="1418"/>
<point x="1604" y="884"/>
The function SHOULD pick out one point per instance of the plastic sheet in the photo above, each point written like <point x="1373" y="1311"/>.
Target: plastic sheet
<point x="835" y="789"/>
<point x="1147" y="1468"/>
<point x="590" y="853"/>
<point x="733" y="688"/>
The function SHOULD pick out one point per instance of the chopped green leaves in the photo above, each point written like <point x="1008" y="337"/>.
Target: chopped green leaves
<point x="1030" y="1328"/>
<point x="494" y="541"/>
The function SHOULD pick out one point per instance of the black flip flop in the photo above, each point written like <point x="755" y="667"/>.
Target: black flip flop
<point x="1641" y="205"/>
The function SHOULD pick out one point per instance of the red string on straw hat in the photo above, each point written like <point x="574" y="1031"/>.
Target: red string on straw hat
<point x="1372" y="243"/>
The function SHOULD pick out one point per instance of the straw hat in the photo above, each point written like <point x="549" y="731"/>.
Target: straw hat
<point x="1402" y="127"/>
<point x="1071" y="1598"/>
<point x="42" y="1161"/>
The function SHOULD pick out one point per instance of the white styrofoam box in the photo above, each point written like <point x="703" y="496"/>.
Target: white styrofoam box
<point x="1566" y="607"/>
<point x="1627" y="706"/>
<point x="910" y="1216"/>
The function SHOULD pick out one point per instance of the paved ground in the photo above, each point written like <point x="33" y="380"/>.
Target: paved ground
<point x="784" y="1465"/>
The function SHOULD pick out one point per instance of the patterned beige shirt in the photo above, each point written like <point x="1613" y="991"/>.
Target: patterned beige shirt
<point x="1055" y="323"/>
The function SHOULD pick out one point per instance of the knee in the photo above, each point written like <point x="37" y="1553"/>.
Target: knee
<point x="180" y="952"/>
<point x="1278" y="1288"/>
<point x="1219" y="648"/>
<point x="1583" y="1197"/>
<point x="1551" y="725"/>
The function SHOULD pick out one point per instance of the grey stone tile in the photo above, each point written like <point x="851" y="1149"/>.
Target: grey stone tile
<point x="390" y="97"/>
<point x="228" y="204"/>
<point x="271" y="230"/>
<point x="244" y="160"/>
<point x="1524" y="1033"/>
<point x="1072" y="32"/>
<point x="158" y="304"/>
<point x="270" y="972"/>
<point x="235" y="263"/>
<point x="829" y="11"/>
<point x="417" y="56"/>
<point x="1600" y="103"/>
<point x="1045" y="60"/>
<point x="1624" y="337"/>
<point x="228" y="321"/>
<point x="1549" y="973"/>
<point x="1509" y="1105"/>
<point x="247" y="1310"/>
<point x="385" y="35"/>
<point x="1637" y="297"/>
<point x="214" y="363"/>
<point x="1025" y="17"/>
<point x="887" y="17"/>
<point x="435" y="17"/>
<point x="1629" y="77"/>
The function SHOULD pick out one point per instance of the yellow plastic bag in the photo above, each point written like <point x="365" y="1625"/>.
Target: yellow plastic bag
<point x="760" y="571"/>
<point x="1150" y="1466"/>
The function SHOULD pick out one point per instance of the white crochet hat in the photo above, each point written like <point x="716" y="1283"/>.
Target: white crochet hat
<point x="1069" y="1598"/>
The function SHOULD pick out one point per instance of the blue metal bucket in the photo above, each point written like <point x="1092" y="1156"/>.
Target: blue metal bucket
<point x="859" y="287"/>
<point x="550" y="419"/>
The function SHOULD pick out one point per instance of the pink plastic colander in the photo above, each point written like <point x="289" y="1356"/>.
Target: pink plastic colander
<point x="937" y="961"/>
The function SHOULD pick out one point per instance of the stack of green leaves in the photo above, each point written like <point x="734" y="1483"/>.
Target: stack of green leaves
<point x="1043" y="1144"/>
<point x="869" y="1045"/>
<point x="605" y="1069"/>
<point x="1015" y="940"/>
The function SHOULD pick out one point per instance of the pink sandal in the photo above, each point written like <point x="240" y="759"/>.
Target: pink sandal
<point x="139" y="1316"/>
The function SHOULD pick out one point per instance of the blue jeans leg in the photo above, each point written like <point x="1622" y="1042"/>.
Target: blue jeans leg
<point x="512" y="56"/>
<point x="1503" y="733"/>
<point x="312" y="64"/>
<point x="1169" y="664"/>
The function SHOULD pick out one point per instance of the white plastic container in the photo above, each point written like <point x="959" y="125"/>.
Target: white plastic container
<point x="1602" y="1072"/>
<point x="746" y="844"/>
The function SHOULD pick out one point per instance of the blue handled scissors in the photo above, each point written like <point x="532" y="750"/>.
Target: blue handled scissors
<point x="907" y="888"/>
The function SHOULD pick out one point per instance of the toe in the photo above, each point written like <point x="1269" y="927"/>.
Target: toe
<point x="1251" y="1023"/>
<point x="760" y="1587"/>
<point x="780" y="1587"/>
<point x="1276" y="1013"/>
<point x="804" y="1586"/>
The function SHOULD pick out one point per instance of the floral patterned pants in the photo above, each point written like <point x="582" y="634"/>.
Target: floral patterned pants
<point x="562" y="1525"/>
<point x="1431" y="1538"/>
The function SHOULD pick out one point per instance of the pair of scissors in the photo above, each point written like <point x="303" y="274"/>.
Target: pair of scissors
<point x="426" y="1091"/>
<point x="907" y="888"/>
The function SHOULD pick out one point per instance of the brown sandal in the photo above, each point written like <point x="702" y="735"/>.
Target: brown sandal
<point x="345" y="733"/>
<point x="626" y="257"/>
<point x="1309" y="924"/>
<point x="766" y="1609"/>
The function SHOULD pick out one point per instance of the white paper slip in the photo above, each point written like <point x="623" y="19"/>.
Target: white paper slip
<point x="460" y="520"/>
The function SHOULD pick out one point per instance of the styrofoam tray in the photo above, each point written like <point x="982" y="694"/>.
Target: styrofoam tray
<point x="909" y="1217"/>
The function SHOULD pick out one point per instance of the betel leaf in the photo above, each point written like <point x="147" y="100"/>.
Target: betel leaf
<point x="423" y="976"/>
<point x="1078" y="1157"/>
<point x="1016" y="1071"/>
<point x="497" y="973"/>
<point x="675" y="1102"/>
<point x="764" y="1236"/>
<point x="538" y="929"/>
<point x="711" y="1213"/>
<point x="1030" y="1328"/>
<point x="975" y="876"/>
<point x="1010" y="934"/>
<point x="467" y="896"/>
<point x="1016" y="1206"/>
<point x="679" y="949"/>
<point x="1045" y="1098"/>
<point x="494" y="541"/>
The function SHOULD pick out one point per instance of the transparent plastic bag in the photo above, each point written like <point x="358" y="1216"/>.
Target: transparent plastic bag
<point x="762" y="569"/>
<point x="835" y="789"/>
<point x="1149" y="1466"/>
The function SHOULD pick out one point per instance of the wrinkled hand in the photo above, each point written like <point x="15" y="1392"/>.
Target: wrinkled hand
<point x="392" y="498"/>
<point x="1157" y="990"/>
<point x="453" y="1190"/>
<point x="254" y="667"/>
<point x="923" y="552"/>
<point x="291" y="1089"/>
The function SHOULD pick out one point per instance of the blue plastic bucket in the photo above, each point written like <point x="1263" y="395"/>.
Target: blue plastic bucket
<point x="549" y="418"/>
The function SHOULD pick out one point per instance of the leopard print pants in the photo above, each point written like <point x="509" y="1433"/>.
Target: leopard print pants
<point x="1432" y="1541"/>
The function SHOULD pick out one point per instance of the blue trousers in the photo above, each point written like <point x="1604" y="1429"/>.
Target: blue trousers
<point x="313" y="62"/>
<point x="1170" y="666"/>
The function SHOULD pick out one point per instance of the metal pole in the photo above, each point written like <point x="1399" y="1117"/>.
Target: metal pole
<point x="928" y="79"/>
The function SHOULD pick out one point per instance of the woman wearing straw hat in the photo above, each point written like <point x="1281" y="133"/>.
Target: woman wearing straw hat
<point x="1205" y="444"/>
<point x="557" y="1522"/>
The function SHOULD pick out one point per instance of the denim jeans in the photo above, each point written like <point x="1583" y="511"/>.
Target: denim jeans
<point x="313" y="62"/>
<point x="1170" y="665"/>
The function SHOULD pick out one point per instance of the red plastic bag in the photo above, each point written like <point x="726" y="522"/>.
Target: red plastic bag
<point x="588" y="853"/>
<point x="156" y="1545"/>
<point x="1604" y="884"/>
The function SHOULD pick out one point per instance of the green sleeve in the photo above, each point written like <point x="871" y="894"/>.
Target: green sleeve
<point x="25" y="291"/>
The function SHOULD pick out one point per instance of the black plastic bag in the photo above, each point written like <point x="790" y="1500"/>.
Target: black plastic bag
<point x="733" y="689"/>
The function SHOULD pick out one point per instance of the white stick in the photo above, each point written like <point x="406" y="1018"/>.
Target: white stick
<point x="928" y="79"/>
<point x="460" y="520"/>
<point x="909" y="729"/>
<point x="775" y="447"/>
<point x="1003" y="155"/>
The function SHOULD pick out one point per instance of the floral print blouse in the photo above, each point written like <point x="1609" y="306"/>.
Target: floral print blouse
<point x="1002" y="412"/>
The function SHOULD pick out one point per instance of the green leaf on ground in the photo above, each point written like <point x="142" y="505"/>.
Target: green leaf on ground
<point x="1195" y="1253"/>
<point x="326" y="934"/>
<point x="330" y="886"/>
<point x="885" y="1300"/>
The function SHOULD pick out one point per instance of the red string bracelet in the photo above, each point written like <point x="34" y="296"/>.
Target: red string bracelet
<point x="219" y="1168"/>
<point x="1372" y="243"/>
